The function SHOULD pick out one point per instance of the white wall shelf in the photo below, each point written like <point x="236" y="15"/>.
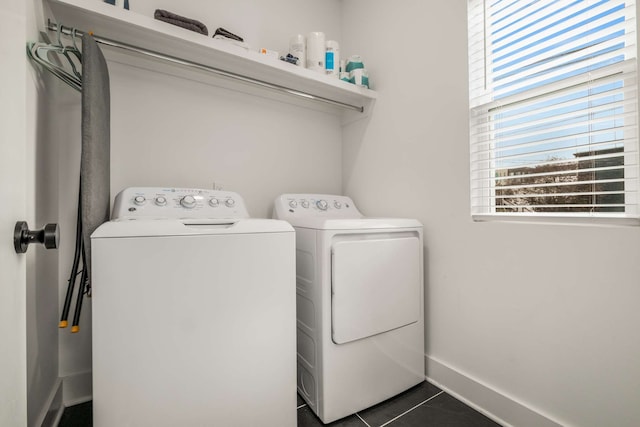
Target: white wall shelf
<point x="147" y="34"/>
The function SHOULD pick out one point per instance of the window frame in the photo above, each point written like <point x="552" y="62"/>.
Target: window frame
<point x="481" y="103"/>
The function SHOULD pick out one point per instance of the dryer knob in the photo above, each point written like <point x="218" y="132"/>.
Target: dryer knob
<point x="161" y="201"/>
<point x="188" y="202"/>
<point x="139" y="200"/>
<point x="213" y="202"/>
<point x="337" y="204"/>
<point x="293" y="204"/>
<point x="322" y="205"/>
<point x="230" y="203"/>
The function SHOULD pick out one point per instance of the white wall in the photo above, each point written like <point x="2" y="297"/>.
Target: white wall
<point x="183" y="133"/>
<point x="170" y="131"/>
<point x="519" y="316"/>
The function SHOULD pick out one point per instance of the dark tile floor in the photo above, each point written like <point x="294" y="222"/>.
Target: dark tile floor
<point x="77" y="416"/>
<point x="424" y="405"/>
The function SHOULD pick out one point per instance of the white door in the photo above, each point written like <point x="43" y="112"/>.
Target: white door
<point x="13" y="359"/>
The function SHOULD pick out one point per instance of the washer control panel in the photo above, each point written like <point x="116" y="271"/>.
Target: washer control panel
<point x="177" y="203"/>
<point x="314" y="205"/>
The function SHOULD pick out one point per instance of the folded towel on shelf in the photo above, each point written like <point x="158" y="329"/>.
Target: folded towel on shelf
<point x="222" y="32"/>
<point x="181" y="21"/>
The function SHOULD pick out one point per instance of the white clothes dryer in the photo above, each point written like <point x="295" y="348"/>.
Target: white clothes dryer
<point x="359" y="288"/>
<point x="193" y="313"/>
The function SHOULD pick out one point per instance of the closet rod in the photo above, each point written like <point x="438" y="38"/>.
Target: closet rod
<point x="108" y="42"/>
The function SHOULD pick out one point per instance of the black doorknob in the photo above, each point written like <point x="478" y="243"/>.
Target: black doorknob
<point x="49" y="236"/>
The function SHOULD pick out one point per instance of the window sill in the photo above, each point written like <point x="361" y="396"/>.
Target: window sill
<point x="558" y="219"/>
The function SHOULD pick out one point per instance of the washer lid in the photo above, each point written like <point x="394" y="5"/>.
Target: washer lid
<point x="188" y="227"/>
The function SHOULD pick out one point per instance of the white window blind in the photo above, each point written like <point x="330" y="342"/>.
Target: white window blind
<point x="553" y="98"/>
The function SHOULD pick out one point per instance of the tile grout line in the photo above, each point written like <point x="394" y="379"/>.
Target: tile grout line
<point x="365" y="423"/>
<point x="411" y="409"/>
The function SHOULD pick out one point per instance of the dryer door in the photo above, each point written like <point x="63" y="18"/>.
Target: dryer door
<point x="376" y="286"/>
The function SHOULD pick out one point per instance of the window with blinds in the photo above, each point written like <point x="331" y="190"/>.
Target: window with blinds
<point x="553" y="98"/>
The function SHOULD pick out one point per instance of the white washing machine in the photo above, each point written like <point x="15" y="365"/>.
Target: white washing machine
<point x="193" y="313"/>
<point x="360" y="323"/>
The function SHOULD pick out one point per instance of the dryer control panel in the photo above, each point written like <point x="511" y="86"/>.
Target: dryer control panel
<point x="177" y="203"/>
<point x="315" y="205"/>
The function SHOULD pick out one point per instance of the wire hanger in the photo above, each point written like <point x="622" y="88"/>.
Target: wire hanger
<point x="70" y="56"/>
<point x="58" y="58"/>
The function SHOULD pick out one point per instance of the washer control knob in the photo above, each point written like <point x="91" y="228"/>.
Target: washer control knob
<point x="322" y="205"/>
<point x="230" y="203"/>
<point x="337" y="204"/>
<point x="293" y="204"/>
<point x="161" y="201"/>
<point x="188" y="202"/>
<point x="305" y="204"/>
<point x="139" y="200"/>
<point x="213" y="202"/>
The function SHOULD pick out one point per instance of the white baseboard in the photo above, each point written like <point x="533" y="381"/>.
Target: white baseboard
<point x="54" y="407"/>
<point x="501" y="408"/>
<point x="67" y="391"/>
<point x="77" y="388"/>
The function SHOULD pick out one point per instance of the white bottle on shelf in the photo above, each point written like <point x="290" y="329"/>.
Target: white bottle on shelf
<point x="298" y="48"/>
<point x="316" y="50"/>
